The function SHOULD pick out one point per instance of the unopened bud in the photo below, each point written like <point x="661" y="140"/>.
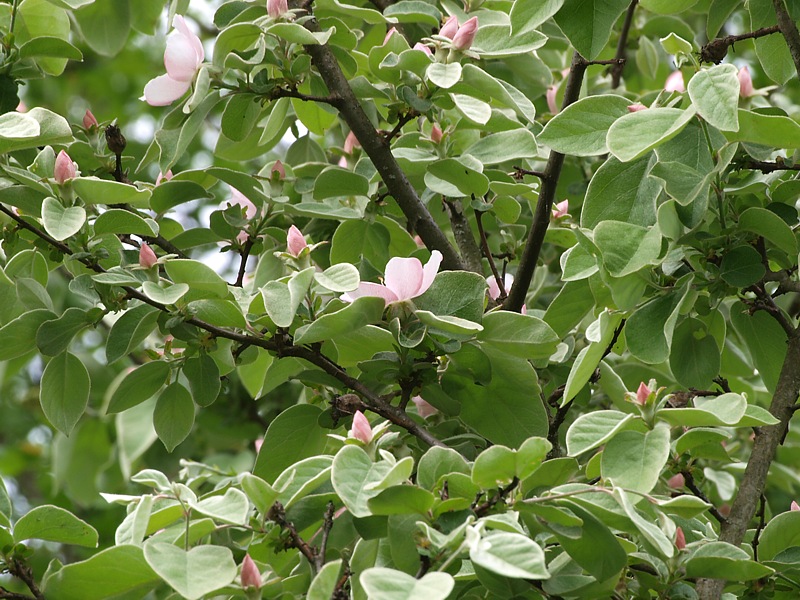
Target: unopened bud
<point x="745" y="82"/>
<point x="115" y="140"/>
<point x="277" y="8"/>
<point x="680" y="539"/>
<point x="295" y="242"/>
<point x="436" y="134"/>
<point x="279" y="169"/>
<point x="466" y="34"/>
<point x="450" y="28"/>
<point x="636" y="107"/>
<point x="423" y="47"/>
<point x="162" y="177"/>
<point x="89" y="120"/>
<point x="361" y="429"/>
<point x="147" y="258"/>
<point x="794" y="506"/>
<point x="251" y="576"/>
<point x="677" y="481"/>
<point x="64" y="168"/>
<point x="642" y="394"/>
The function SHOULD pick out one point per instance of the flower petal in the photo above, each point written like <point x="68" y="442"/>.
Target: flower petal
<point x="429" y="272"/>
<point x="180" y="58"/>
<point x="404" y="277"/>
<point x="179" y="23"/>
<point x="163" y="90"/>
<point x="371" y="289"/>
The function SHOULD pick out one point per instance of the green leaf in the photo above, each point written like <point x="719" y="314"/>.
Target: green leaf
<point x="173" y="417"/>
<point x="195" y="573"/>
<point x="130" y="330"/>
<point x="402" y="499"/>
<point x="781" y="532"/>
<point x="675" y="44"/>
<point x="494" y="467"/>
<point x="342" y="277"/>
<point x="169" y="194"/>
<point x="138" y="385"/>
<point x="594" y="429"/>
<point x="61" y="222"/>
<point x="260" y="493"/>
<point x="651" y="532"/>
<point x="49" y="46"/>
<point x="527" y="15"/>
<point x="53" y="129"/>
<point x="626" y="247"/>
<point x="297" y="34"/>
<point x="764" y="339"/>
<point x="240" y="115"/>
<point x="231" y="507"/>
<point x="720" y="560"/>
<point x="772" y="52"/>
<point x="105" y="25"/>
<point x="38" y="18"/>
<point x="634" y="460"/>
<point x="589" y="357"/>
<point x="443" y="75"/>
<point x="18" y="337"/>
<point x="775" y="131"/>
<point x="474" y="110"/>
<point x="509" y="555"/>
<point x="352" y="317"/>
<point x="222" y="313"/>
<point x="169" y="294"/>
<point x="283" y="298"/>
<point x="55" y="524"/>
<point x="202" y="279"/>
<point x="621" y="192"/>
<point x="116" y="220"/>
<point x="437" y="462"/>
<point x="715" y="94"/>
<point x="293" y="435"/>
<point x="54" y="337"/>
<point x="334" y="182"/>
<point x="668" y="7"/>
<point x="582" y="127"/>
<point x="356" y="478"/>
<point x="116" y="571"/>
<point x="500" y="41"/>
<point x="742" y="266"/>
<point x="203" y="375"/>
<point x="521" y="335"/>
<point x="456" y="294"/>
<point x="694" y="358"/>
<point x="454" y="178"/>
<point x="724" y="410"/>
<point x="64" y="391"/>
<point x="102" y="191"/>
<point x="588" y="23"/>
<point x="635" y="134"/>
<point x="324" y="583"/>
<point x="388" y="584"/>
<point x="649" y="330"/>
<point x="302" y="478"/>
<point x="770" y="226"/>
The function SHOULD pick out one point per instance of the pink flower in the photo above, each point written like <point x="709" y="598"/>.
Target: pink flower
<point x="423" y="47"/>
<point x="424" y="409"/>
<point x="680" y="539"/>
<point x="636" y="107"/>
<point x="745" y="82"/>
<point x="361" y="429"/>
<point x="147" y="258"/>
<point x="239" y="199"/>
<point x="279" y="169"/>
<point x="251" y="576"/>
<point x="351" y="143"/>
<point x="675" y="83"/>
<point x="561" y="209"/>
<point x="551" y="99"/>
<point x="450" y="28"/>
<point x="277" y="8"/>
<point x="466" y="34"/>
<point x="182" y="58"/>
<point x="794" y="506"/>
<point x="89" y="120"/>
<point x="295" y="242"/>
<point x="642" y="394"/>
<point x="64" y="168"/>
<point x="405" y="279"/>
<point x="389" y="34"/>
<point x="677" y="481"/>
<point x="162" y="177"/>
<point x="494" y="289"/>
<point x="436" y="134"/>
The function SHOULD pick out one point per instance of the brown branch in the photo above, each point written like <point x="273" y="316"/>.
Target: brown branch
<point x="488" y="254"/>
<point x="293" y="93"/>
<point x="761" y="522"/>
<point x="327" y="525"/>
<point x="767" y="167"/>
<point x="767" y="304"/>
<point x="378" y="150"/>
<point x="24" y="573"/>
<point x="8" y="595"/>
<point x="541" y="217"/>
<point x="754" y="480"/>
<point x="789" y="31"/>
<point x="690" y="483"/>
<point x="401" y="122"/>
<point x="277" y="514"/>
<point x="481" y="510"/>
<point x="248" y="245"/>
<point x="464" y="237"/>
<point x="716" y="50"/>
<point x="622" y="46"/>
<point x="519" y="172"/>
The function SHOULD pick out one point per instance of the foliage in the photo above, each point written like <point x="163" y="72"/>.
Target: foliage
<point x="233" y="367"/>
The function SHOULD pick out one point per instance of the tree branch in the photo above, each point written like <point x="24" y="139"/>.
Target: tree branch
<point x="488" y="254"/>
<point x="766" y="443"/>
<point x="378" y="150"/>
<point x="716" y="50"/>
<point x="465" y="239"/>
<point x="690" y="483"/>
<point x="767" y="167"/>
<point x="789" y="31"/>
<point x="481" y="510"/>
<point x="547" y="193"/>
<point x="23" y="572"/>
<point x="277" y="514"/>
<point x="622" y="46"/>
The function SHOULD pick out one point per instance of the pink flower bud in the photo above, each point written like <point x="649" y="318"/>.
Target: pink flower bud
<point x="561" y="209"/>
<point x="351" y="143"/>
<point x="64" y="168"/>
<point x="277" y="8"/>
<point x="636" y="107"/>
<point x="675" y="83"/>
<point x="436" y="134"/>
<point x="552" y="91"/>
<point x="423" y="47"/>
<point x="680" y="539"/>
<point x="424" y="409"/>
<point x="745" y="82"/>
<point x="677" y="481"/>
<point x="642" y="394"/>
<point x="389" y="34"/>
<point x="466" y="34"/>
<point x="251" y="576"/>
<point x="258" y="443"/>
<point x="279" y="169"/>
<point x="89" y="120"/>
<point x="450" y="28"/>
<point x="22" y="107"/>
<point x="162" y="177"/>
<point x="295" y="242"/>
<point x="361" y="428"/>
<point x="794" y="506"/>
<point x="147" y="258"/>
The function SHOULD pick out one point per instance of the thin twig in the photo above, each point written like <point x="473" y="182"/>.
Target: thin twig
<point x="481" y="510"/>
<point x="245" y="254"/>
<point x="24" y="573"/>
<point x="767" y="167"/>
<point x="760" y="528"/>
<point x="716" y="50"/>
<point x="327" y="525"/>
<point x="789" y="31"/>
<point x="277" y="514"/>
<point x="622" y="46"/>
<point x="541" y="217"/>
<point x="488" y="254"/>
<point x="690" y="483"/>
<point x="401" y="122"/>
